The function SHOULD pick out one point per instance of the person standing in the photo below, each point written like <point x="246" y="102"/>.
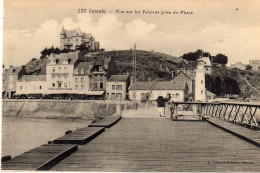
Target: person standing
<point x="160" y="105"/>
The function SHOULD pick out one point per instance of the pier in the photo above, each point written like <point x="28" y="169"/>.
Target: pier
<point x="143" y="141"/>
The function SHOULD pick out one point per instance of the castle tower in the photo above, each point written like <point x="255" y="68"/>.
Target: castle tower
<point x="200" y="90"/>
<point x="62" y="38"/>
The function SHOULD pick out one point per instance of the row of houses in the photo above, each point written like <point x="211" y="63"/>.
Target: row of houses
<point x="85" y="77"/>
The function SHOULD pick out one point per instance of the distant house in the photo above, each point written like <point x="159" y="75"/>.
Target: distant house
<point x="210" y="96"/>
<point x="117" y="87"/>
<point x="187" y="76"/>
<point x="255" y="64"/>
<point x="238" y="65"/>
<point x="10" y="77"/>
<point x="72" y="39"/>
<point x="179" y="91"/>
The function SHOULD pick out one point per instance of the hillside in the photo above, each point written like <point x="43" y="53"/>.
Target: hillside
<point x="149" y="65"/>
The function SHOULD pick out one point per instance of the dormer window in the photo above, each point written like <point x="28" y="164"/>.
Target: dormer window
<point x="66" y="60"/>
<point x="77" y="71"/>
<point x="82" y="71"/>
<point x="54" y="60"/>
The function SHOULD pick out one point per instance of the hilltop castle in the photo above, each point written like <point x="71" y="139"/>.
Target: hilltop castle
<point x="72" y="39"/>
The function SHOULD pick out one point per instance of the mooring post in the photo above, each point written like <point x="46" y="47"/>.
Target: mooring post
<point x="118" y="110"/>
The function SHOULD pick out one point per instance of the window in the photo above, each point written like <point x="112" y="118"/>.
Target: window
<point x="113" y="96"/>
<point x="119" y="87"/>
<point x="53" y="76"/>
<point x="95" y="85"/>
<point x="76" y="79"/>
<point x="59" y="69"/>
<point x="96" y="77"/>
<point x="82" y="87"/>
<point x="82" y="71"/>
<point x="40" y="87"/>
<point x="21" y="87"/>
<point x="100" y="68"/>
<point x="53" y="84"/>
<point x="59" y="84"/>
<point x="65" y="85"/>
<point x="201" y="91"/>
<point x="77" y="71"/>
<point x="76" y="86"/>
<point x="53" y="69"/>
<point x="101" y="77"/>
<point x="82" y="79"/>
<point x="201" y="81"/>
<point x="142" y="95"/>
<point x="177" y="95"/>
<point x="134" y="95"/>
<point x="59" y="76"/>
<point x="101" y="85"/>
<point x="119" y="95"/>
<point x="65" y="69"/>
<point x="113" y="87"/>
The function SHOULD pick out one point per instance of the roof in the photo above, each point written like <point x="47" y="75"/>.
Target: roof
<point x="73" y="56"/>
<point x="166" y="85"/>
<point x="15" y="69"/>
<point x="181" y="72"/>
<point x="208" y="93"/>
<point x="30" y="78"/>
<point x="118" y="78"/>
<point x="84" y="65"/>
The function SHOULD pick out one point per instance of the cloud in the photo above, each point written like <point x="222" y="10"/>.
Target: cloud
<point x="112" y="33"/>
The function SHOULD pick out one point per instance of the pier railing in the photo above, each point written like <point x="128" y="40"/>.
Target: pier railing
<point x="247" y="114"/>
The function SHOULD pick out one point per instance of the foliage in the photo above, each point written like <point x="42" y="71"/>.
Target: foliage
<point x="249" y="67"/>
<point x="220" y="59"/>
<point x="194" y="56"/>
<point x="47" y="51"/>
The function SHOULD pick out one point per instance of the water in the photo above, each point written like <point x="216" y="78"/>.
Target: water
<point x="22" y="134"/>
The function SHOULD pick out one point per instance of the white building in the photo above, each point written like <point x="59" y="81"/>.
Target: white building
<point x="200" y="90"/>
<point x="31" y="84"/>
<point x="117" y="87"/>
<point x="177" y="90"/>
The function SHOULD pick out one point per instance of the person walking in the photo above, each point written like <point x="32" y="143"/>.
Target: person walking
<point x="160" y="105"/>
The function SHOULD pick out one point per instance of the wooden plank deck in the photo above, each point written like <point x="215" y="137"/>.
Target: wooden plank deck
<point x="40" y="158"/>
<point x="106" y="122"/>
<point x="80" y="136"/>
<point x="160" y="144"/>
<point x="249" y="135"/>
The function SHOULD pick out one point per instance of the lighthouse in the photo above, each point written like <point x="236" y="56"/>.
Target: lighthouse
<point x="200" y="90"/>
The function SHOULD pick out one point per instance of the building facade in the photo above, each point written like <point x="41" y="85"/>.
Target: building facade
<point x="177" y="91"/>
<point x="31" y="85"/>
<point x="117" y="87"/>
<point x="10" y="77"/>
<point x="72" y="39"/>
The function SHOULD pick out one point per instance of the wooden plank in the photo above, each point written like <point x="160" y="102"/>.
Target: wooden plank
<point x="106" y="122"/>
<point x="249" y="135"/>
<point x="40" y="158"/>
<point x="80" y="136"/>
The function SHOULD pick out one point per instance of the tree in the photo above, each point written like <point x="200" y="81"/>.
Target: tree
<point x="258" y="67"/>
<point x="220" y="59"/>
<point x="249" y="67"/>
<point x="102" y="50"/>
<point x="192" y="56"/>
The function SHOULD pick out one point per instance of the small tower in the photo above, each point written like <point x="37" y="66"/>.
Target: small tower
<point x="62" y="38"/>
<point x="200" y="90"/>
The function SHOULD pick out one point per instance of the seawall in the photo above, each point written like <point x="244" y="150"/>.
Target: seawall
<point x="60" y="109"/>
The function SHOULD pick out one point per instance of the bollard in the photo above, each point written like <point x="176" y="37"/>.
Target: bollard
<point x="118" y="110"/>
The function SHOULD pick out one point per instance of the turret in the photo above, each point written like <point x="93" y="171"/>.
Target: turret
<point x="62" y="33"/>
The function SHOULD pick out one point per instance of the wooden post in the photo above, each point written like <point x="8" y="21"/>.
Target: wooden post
<point x="118" y="110"/>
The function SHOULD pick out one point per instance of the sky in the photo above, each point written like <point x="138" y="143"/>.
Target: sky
<point x="216" y="26"/>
